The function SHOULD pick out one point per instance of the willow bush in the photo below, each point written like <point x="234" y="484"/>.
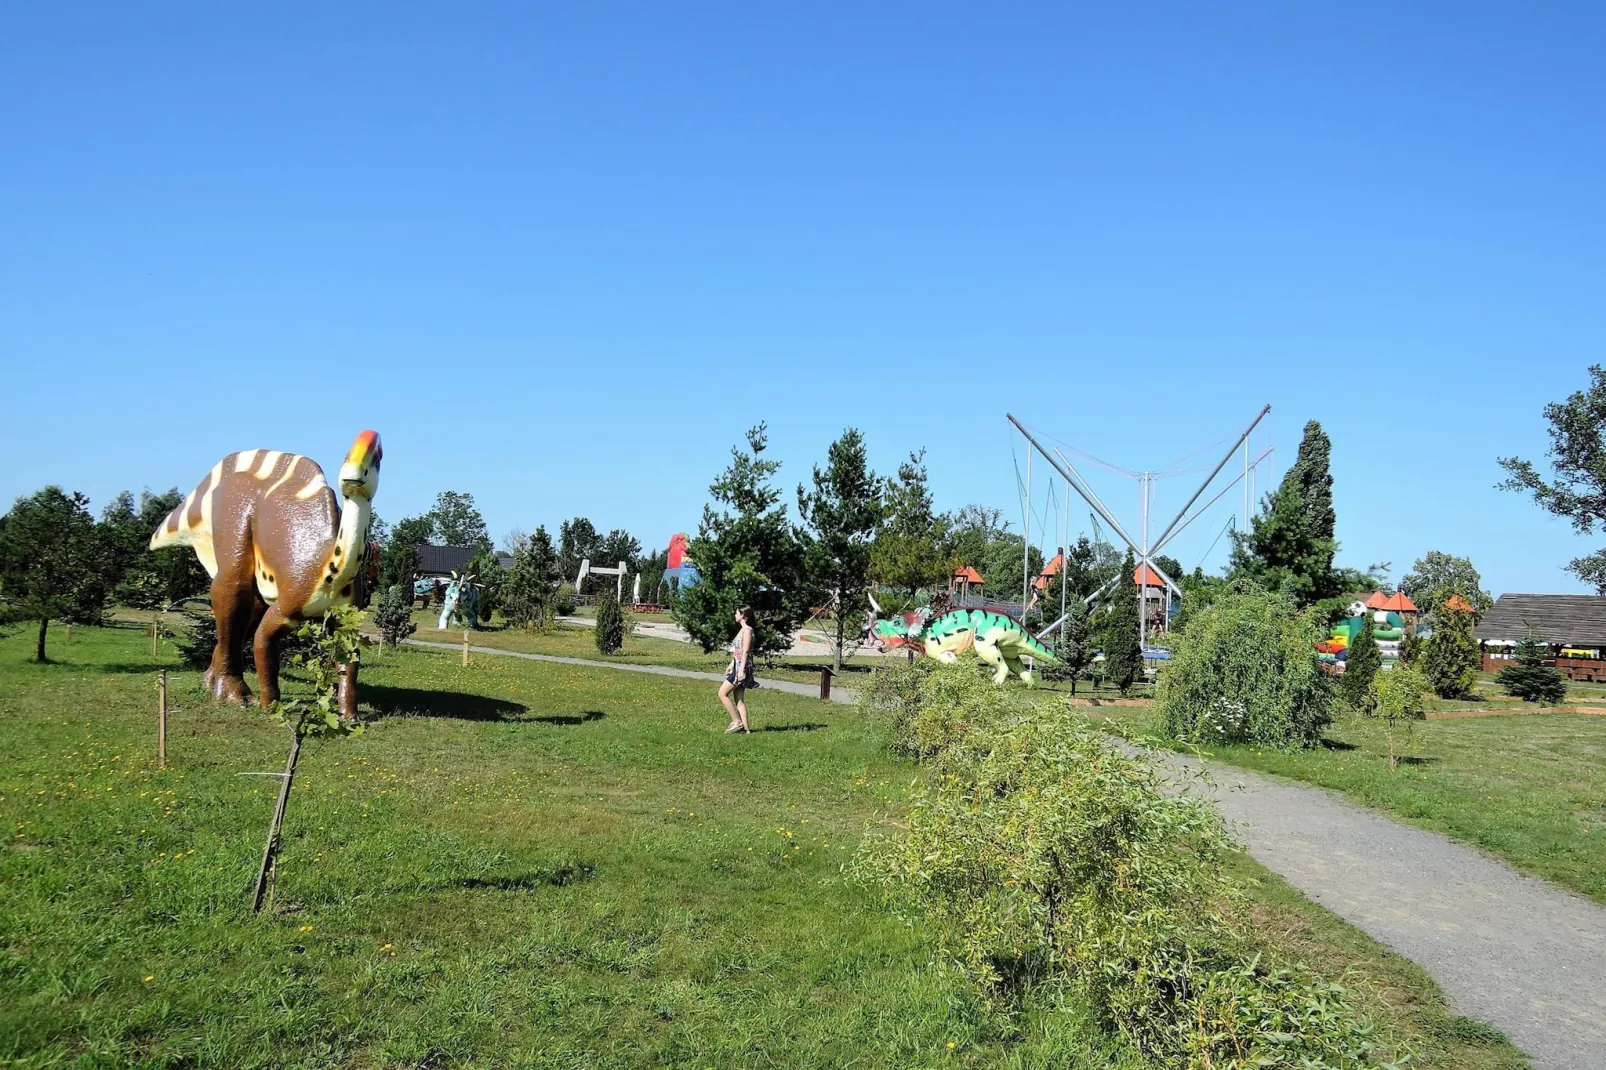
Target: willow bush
<point x="1048" y="862"/>
<point x="1250" y="652"/>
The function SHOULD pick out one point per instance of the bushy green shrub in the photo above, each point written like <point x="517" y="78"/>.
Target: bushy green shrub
<point x="1530" y="679"/>
<point x="610" y="630"/>
<point x="393" y="615"/>
<point x="1250" y="649"/>
<point x="1046" y="858"/>
<point x="893" y="697"/>
<point x="1399" y="697"/>
<point x="931" y="709"/>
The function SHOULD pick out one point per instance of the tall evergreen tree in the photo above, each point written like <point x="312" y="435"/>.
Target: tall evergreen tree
<point x="529" y="593"/>
<point x="1360" y="667"/>
<point x="841" y="514"/>
<point x="398" y="558"/>
<point x="1290" y="545"/>
<point x="748" y="554"/>
<point x="1075" y="649"/>
<point x="1450" y="660"/>
<point x="909" y="552"/>
<point x="610" y="630"/>
<point x="48" y="552"/>
<point x="1118" y="631"/>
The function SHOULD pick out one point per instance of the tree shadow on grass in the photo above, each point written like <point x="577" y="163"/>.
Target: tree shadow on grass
<point x="416" y="702"/>
<point x="562" y="719"/>
<point x="1409" y="759"/>
<point x="557" y="876"/>
<point x="134" y="668"/>
<point x="1337" y="744"/>
<point x="807" y="726"/>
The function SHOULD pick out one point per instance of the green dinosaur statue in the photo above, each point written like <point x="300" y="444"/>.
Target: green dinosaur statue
<point x="997" y="640"/>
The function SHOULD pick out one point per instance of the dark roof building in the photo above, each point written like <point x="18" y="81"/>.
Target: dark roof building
<point x="443" y="560"/>
<point x="1575" y="620"/>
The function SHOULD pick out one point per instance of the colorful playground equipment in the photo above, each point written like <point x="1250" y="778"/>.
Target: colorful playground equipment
<point x="1390" y="615"/>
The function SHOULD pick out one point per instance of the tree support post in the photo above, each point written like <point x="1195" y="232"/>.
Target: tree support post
<point x="825" y="682"/>
<point x="161" y="719"/>
<point x="465" y="650"/>
<point x="270" y="852"/>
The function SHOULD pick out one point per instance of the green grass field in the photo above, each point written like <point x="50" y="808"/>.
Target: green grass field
<point x="518" y="864"/>
<point x="1530" y="789"/>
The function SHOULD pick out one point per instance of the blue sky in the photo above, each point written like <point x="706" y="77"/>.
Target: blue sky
<point x="561" y="256"/>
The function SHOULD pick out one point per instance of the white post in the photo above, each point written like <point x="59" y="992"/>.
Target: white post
<point x="1065" y="557"/>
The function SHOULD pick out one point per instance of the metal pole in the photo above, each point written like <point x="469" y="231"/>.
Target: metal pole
<point x="1213" y="473"/>
<point x="1206" y="506"/>
<point x="1246" y="483"/>
<point x="1026" y="543"/>
<point x="1143" y="562"/>
<point x="1065" y="553"/>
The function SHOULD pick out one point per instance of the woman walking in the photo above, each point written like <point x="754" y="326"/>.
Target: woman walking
<point x="739" y="677"/>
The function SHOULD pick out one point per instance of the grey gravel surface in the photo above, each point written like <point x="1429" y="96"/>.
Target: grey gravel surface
<point x="1510" y="949"/>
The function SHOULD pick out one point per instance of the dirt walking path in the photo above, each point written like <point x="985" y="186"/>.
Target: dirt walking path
<point x="1512" y="950"/>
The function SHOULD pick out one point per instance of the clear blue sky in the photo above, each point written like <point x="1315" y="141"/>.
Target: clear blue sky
<point x="562" y="255"/>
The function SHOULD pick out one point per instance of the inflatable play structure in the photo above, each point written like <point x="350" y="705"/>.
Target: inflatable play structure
<point x="680" y="571"/>
<point x="281" y="548"/>
<point x="1390" y="615"/>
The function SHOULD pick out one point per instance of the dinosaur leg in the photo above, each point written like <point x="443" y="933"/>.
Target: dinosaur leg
<point x="233" y="604"/>
<point x="1012" y="657"/>
<point x="270" y="628"/>
<point x="346" y="694"/>
<point x="988" y="651"/>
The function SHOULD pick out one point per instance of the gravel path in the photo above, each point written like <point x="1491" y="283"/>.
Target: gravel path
<point x="1512" y="950"/>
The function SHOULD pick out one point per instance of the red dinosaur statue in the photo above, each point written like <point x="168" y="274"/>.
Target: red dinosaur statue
<point x="266" y="526"/>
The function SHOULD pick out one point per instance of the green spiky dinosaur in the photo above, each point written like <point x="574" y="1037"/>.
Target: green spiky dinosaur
<point x="997" y="640"/>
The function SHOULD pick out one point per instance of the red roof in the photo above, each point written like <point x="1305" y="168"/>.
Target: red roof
<point x="1376" y="600"/>
<point x="1398" y="603"/>
<point x="1455" y="601"/>
<point x="1151" y="580"/>
<point x="1055" y="565"/>
<point x="966" y="574"/>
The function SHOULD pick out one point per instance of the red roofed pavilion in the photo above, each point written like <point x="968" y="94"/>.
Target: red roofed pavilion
<point x="1398" y="603"/>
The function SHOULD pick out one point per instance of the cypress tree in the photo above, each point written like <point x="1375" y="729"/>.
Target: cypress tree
<point x="1361" y="667"/>
<point x="1290" y="545"/>
<point x="1530" y="679"/>
<point x="1123" y="656"/>
<point x="610" y="630"/>
<point x="1450" y="660"/>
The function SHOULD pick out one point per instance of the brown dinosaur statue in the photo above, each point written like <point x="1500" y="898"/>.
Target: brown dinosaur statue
<point x="266" y="526"/>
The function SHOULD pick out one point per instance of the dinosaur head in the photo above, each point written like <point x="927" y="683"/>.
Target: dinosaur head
<point x="359" y="476"/>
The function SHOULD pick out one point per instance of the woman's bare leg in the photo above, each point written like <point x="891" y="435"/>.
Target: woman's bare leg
<point x="741" y="707"/>
<point x="730" y="707"/>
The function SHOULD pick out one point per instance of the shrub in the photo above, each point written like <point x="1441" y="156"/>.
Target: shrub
<point x="393" y="615"/>
<point x="1450" y="659"/>
<point x="1248" y="648"/>
<point x="1397" y="697"/>
<point x="1361" y="668"/>
<point x="1047" y="859"/>
<point x="894" y="697"/>
<point x="1530" y="679"/>
<point x="610" y="630"/>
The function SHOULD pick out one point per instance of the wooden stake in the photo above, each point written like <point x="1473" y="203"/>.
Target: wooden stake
<point x="270" y="853"/>
<point x="465" y="649"/>
<point x="825" y="682"/>
<point x="161" y="719"/>
<point x="156" y="633"/>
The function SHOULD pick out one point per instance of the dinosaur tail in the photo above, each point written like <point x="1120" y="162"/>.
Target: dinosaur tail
<point x="1038" y="649"/>
<point x="190" y="522"/>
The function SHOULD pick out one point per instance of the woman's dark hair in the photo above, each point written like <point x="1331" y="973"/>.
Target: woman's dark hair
<point x="746" y="613"/>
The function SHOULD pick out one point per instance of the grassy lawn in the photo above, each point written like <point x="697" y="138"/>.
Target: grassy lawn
<point x="518" y="864"/>
<point x="1531" y="789"/>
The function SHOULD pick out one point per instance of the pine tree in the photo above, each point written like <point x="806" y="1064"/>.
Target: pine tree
<point x="610" y="629"/>
<point x="747" y="554"/>
<point x="1075" y="651"/>
<point x="1360" y="668"/>
<point x="1290" y="545"/>
<point x="1450" y="661"/>
<point x="393" y="615"/>
<point x="489" y="575"/>
<point x="1118" y="633"/>
<point x="1530" y="679"/>
<point x="841" y="515"/>
<point x="529" y="594"/>
<point x="909" y="552"/>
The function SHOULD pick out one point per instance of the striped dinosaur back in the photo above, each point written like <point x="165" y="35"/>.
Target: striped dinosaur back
<point x="190" y="524"/>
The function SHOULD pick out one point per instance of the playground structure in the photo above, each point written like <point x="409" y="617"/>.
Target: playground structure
<point x="1148" y="574"/>
<point x="267" y="528"/>
<point x="1391" y="615"/>
<point x="618" y="572"/>
<point x="999" y="641"/>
